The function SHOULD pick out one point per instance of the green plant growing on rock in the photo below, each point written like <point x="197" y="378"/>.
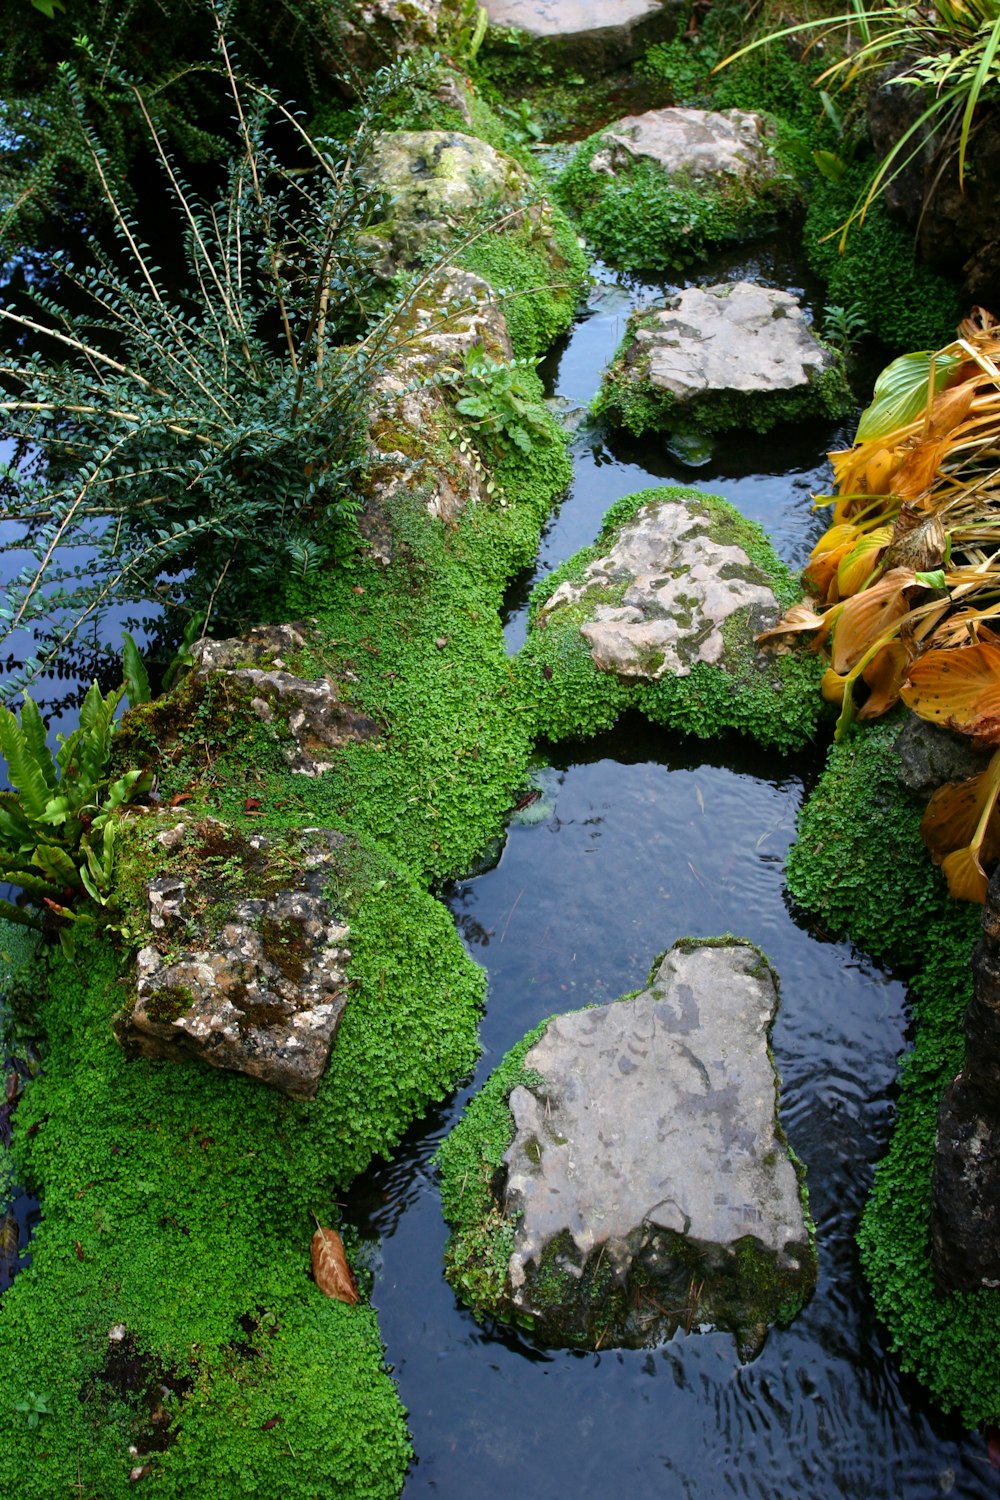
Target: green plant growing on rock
<point x="58" y="827"/>
<point x="499" y="402"/>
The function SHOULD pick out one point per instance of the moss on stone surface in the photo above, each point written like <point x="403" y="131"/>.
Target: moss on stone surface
<point x="860" y="866"/>
<point x="627" y="399"/>
<point x="539" y="290"/>
<point x="774" y="699"/>
<point x="643" y="220"/>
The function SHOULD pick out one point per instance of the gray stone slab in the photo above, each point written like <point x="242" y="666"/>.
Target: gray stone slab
<point x="650" y="1144"/>
<point x="698" y="144"/>
<point x="591" y="34"/>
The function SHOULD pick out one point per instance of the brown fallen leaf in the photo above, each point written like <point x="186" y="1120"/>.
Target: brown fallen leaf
<point x="330" y="1270"/>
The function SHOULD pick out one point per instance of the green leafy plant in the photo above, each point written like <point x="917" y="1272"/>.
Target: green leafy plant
<point x="58" y="825"/>
<point x="35" y="1406"/>
<point x="218" y="432"/>
<point x="499" y="402"/>
<point x="950" y="53"/>
<point x="844" y="326"/>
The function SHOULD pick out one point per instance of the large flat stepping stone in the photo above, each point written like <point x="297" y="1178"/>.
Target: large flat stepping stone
<point x="648" y="1183"/>
<point x="698" y="144"/>
<point x="717" y="357"/>
<point x="593" y="35"/>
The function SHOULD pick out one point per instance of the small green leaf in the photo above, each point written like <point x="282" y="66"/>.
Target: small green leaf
<point x="136" y="677"/>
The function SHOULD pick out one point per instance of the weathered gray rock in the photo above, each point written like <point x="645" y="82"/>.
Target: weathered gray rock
<point x="697" y="145"/>
<point x="929" y="756"/>
<point x="658" y="600"/>
<point x="589" y="35"/>
<point x="255" y="986"/>
<point x="437" y="182"/>
<point x="965" y="1202"/>
<point x="721" y="356"/>
<point x="649" y="1185"/>
<point x="309" y="714"/>
<point x="410" y="413"/>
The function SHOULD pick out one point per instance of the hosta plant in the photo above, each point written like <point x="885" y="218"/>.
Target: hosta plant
<point x="904" y="586"/>
<point x="58" y="823"/>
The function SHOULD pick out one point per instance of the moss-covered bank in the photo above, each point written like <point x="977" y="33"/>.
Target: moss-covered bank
<point x="860" y="866"/>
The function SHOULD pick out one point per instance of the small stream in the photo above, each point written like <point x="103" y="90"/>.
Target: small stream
<point x="639" y="838"/>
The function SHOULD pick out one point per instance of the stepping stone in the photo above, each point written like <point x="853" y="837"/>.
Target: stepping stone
<point x="647" y="1185"/>
<point x="588" y="35"/>
<point x="718" y="357"/>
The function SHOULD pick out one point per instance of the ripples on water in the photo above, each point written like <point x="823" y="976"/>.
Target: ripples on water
<point x="637" y="840"/>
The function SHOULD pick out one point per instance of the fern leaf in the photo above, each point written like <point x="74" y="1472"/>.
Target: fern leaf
<point x="22" y="766"/>
<point x="136" y="677"/>
<point x="35" y="735"/>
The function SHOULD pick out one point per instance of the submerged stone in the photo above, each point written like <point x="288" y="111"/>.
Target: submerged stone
<point x="649" y="1186"/>
<point x="256" y="986"/>
<point x="722" y="356"/>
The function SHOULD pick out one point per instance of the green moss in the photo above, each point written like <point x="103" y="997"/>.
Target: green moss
<point x="775" y="700"/>
<point x="482" y="1239"/>
<point x="641" y="220"/>
<point x="166" y="1004"/>
<point x="539" y="290"/>
<point x="627" y="398"/>
<point x="905" y="303"/>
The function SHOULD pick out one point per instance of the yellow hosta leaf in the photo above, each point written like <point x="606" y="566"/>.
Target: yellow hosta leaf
<point x="835" y="536"/>
<point x="866" y="616"/>
<point x="832" y="686"/>
<point x="919" y="467"/>
<point x="800" y="619"/>
<point x="885" y="674"/>
<point x="854" y="569"/>
<point x="959" y="689"/>
<point x="967" y="880"/>
<point x="950" y="409"/>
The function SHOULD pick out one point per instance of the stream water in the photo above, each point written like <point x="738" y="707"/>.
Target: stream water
<point x="639" y="838"/>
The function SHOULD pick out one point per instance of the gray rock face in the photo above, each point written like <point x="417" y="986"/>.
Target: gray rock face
<point x="657" y="602"/>
<point x="929" y="756"/>
<point x="316" y="718"/>
<point x="372" y="33"/>
<point x="262" y="994"/>
<point x="965" y="1187"/>
<point x="649" y="1151"/>
<point x="436" y="183"/>
<point x="695" y="144"/>
<point x="708" y="345"/>
<point x="591" y="34"/>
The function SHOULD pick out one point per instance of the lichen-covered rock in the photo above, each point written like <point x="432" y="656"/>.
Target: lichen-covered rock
<point x="258" y="989"/>
<point x="662" y="615"/>
<point x="438" y="186"/>
<point x="587" y="35"/>
<point x="732" y="355"/>
<point x="647" y="1184"/>
<point x="965" y="1206"/>
<point x="655" y="191"/>
<point x="308" y="713"/>
<point x="657" y="601"/>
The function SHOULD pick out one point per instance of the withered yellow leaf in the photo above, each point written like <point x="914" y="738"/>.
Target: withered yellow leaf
<point x="959" y="689"/>
<point x="885" y="674"/>
<point x="330" y="1270"/>
<point x="917" y="471"/>
<point x="854" y="570"/>
<point x="866" y="616"/>
<point x="965" y="875"/>
<point x="799" y="619"/>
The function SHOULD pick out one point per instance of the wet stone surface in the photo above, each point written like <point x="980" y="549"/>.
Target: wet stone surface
<point x="589" y="34"/>
<point x="648" y="1180"/>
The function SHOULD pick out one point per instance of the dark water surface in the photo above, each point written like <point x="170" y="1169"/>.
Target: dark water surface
<point x="638" y="839"/>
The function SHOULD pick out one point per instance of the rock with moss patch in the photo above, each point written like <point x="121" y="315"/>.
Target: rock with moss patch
<point x="657" y="601"/>
<point x="256" y="986"/>
<point x="593" y="35"/>
<point x="716" y="357"/>
<point x="310" y="714"/>
<point x="648" y="1185"/>
<point x="439" y="186"/>
<point x="370" y="34"/>
<point x="656" y="191"/>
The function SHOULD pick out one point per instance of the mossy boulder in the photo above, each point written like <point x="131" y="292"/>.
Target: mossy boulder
<point x="661" y="614"/>
<point x="589" y="36"/>
<point x="645" y="1184"/>
<point x="718" y="357"/>
<point x="656" y="191"/>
